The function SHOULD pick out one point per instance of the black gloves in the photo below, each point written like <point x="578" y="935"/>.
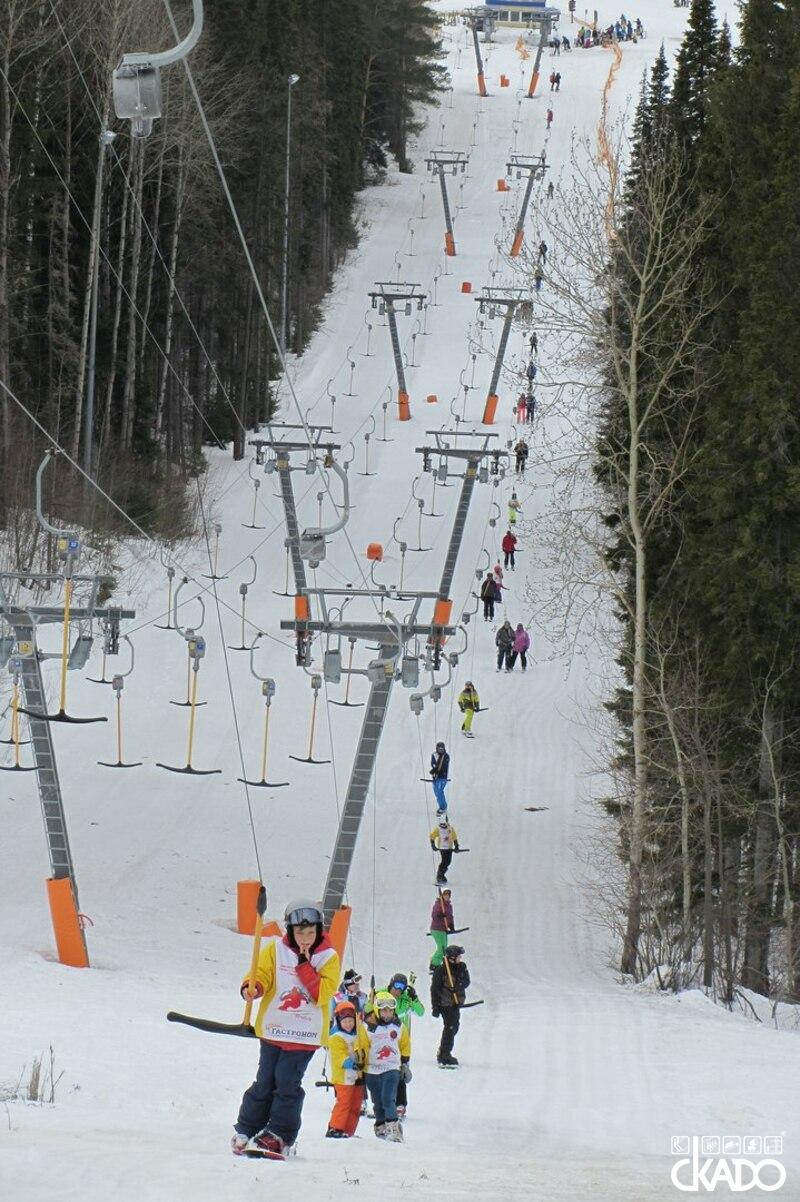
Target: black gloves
<point x="411" y="993"/>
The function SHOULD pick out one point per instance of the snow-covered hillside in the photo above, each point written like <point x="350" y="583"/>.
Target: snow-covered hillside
<point x="571" y="1086"/>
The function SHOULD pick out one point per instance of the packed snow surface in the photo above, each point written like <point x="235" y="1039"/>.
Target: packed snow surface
<point x="571" y="1085"/>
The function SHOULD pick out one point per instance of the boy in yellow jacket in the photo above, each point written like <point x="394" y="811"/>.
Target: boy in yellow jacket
<point x="345" y="1072"/>
<point x="296" y="978"/>
<point x="384" y="1045"/>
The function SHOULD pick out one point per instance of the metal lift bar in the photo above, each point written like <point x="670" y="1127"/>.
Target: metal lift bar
<point x="387" y="294"/>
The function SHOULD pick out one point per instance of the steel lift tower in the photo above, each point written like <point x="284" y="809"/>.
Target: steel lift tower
<point x="489" y="301"/>
<point x="385" y="298"/>
<point x="535" y="166"/>
<point x="439" y="162"/>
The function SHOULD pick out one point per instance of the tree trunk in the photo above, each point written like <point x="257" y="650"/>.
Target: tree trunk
<point x="755" y="971"/>
<point x="180" y="191"/>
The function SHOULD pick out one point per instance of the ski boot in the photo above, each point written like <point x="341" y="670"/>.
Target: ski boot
<point x="380" y="1130"/>
<point x="269" y="1145"/>
<point x="334" y="1133"/>
<point x="394" y="1133"/>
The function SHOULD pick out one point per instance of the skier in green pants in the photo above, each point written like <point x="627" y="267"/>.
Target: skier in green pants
<point x="442" y="923"/>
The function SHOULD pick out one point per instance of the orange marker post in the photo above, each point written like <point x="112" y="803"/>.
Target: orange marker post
<point x="70" y="939"/>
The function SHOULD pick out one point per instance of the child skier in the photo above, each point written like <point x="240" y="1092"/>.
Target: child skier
<point x="449" y="984"/>
<point x="348" y="1083"/>
<point x="440" y="772"/>
<point x="443" y="839"/>
<point x="442" y="923"/>
<point x="408" y="1003"/>
<point x="384" y="1045"/>
<point x="301" y="966"/>
<point x="469" y="703"/>
<point x="349" y="992"/>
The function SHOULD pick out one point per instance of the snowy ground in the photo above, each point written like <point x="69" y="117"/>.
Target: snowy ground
<point x="571" y="1086"/>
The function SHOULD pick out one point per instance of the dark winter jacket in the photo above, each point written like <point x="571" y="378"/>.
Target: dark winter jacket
<point x="504" y="637"/>
<point x="440" y="765"/>
<point x="509" y="542"/>
<point x="441" y="992"/>
<point x="521" y="449"/>
<point x="442" y="915"/>
<point x="489" y="589"/>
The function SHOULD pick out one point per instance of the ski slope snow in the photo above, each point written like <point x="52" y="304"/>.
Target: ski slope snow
<point x="571" y="1085"/>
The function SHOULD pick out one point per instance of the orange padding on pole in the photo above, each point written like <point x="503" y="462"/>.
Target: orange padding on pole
<point x="466" y="286"/>
<point x="502" y="185"/>
<point x="339" y="930"/>
<point x="481" y="84"/>
<point x="441" y="612"/>
<point x="375" y="551"/>
<point x="70" y="940"/>
<point x="490" y="409"/>
<point x="517" y="244"/>
<point x="404" y="409"/>
<point x="503" y="81"/>
<point x="533" y="83"/>
<point x="272" y="928"/>
<point x="246" y="898"/>
<point x="301" y="608"/>
<point x="431" y="398"/>
<point x="449" y="244"/>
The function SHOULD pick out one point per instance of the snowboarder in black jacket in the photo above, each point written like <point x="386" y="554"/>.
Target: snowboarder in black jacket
<point x="449" y="984"/>
<point x="440" y="774"/>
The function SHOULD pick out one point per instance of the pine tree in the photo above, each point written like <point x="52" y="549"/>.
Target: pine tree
<point x="695" y="69"/>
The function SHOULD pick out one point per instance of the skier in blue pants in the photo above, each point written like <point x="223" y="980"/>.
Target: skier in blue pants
<point x="440" y="771"/>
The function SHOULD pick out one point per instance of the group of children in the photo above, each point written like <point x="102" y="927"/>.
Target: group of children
<point x="369" y="1044"/>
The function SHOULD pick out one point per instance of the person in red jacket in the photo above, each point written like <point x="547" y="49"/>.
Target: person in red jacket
<point x="509" y="544"/>
<point x="296" y="978"/>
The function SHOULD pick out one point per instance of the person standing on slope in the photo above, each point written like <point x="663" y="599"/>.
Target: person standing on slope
<point x="442" y="923"/>
<point x="514" y="508"/>
<point x="489" y="595"/>
<point x="519" y="648"/>
<point x="521" y="450"/>
<point x="509" y="544"/>
<point x="449" y="984"/>
<point x="504" y="642"/>
<point x="443" y="839"/>
<point x="296" y="978"/>
<point x="349" y="992"/>
<point x="469" y="703"/>
<point x="440" y="773"/>
<point x="384" y="1045"/>
<point x="346" y="1077"/>
<point x="408" y="1003"/>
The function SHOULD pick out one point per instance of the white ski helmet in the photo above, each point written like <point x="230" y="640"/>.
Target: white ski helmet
<point x="302" y="910"/>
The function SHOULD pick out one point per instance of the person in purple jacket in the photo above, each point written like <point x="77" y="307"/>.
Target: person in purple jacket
<point x="519" y="648"/>
<point x="442" y="923"/>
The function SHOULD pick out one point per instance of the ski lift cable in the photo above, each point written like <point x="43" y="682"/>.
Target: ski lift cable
<point x="231" y="695"/>
<point x="103" y="254"/>
<point x="146" y="224"/>
<point x="114" y="505"/>
<point x="265" y="308"/>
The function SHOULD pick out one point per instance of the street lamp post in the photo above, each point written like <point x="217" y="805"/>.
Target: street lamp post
<point x="293" y="79"/>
